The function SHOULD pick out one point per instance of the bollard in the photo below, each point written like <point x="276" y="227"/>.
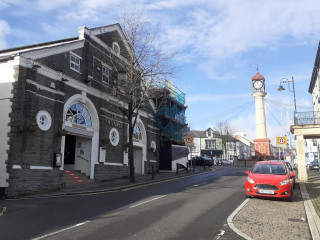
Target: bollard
<point x="177" y="169"/>
<point x="187" y="169"/>
<point x="152" y="172"/>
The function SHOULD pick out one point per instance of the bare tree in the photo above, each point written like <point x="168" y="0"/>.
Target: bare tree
<point x="225" y="130"/>
<point x="146" y="64"/>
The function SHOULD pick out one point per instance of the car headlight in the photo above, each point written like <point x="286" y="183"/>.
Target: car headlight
<point x="250" y="180"/>
<point x="285" y="182"/>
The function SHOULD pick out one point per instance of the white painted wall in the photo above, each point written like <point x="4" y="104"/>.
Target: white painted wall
<point x="183" y="161"/>
<point x="6" y="80"/>
<point x="195" y="148"/>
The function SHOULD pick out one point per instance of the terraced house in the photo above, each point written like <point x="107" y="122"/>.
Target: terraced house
<point x="205" y="143"/>
<point x="62" y="109"/>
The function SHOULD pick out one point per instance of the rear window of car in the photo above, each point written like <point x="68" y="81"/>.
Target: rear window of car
<point x="274" y="169"/>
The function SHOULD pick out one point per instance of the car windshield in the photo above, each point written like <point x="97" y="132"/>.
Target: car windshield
<point x="274" y="169"/>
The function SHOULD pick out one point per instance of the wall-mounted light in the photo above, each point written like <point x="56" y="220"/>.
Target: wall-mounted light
<point x="89" y="80"/>
<point x="63" y="77"/>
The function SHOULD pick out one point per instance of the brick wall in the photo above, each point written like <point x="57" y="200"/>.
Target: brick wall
<point x="26" y="181"/>
<point x="107" y="172"/>
<point x="37" y="148"/>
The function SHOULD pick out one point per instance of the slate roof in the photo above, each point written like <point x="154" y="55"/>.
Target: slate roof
<point x="200" y="134"/>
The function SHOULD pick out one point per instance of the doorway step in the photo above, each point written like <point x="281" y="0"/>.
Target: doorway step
<point x="75" y="177"/>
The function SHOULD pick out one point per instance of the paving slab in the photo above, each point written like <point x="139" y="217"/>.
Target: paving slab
<point x="262" y="218"/>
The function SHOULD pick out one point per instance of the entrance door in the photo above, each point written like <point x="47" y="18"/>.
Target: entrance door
<point x="137" y="156"/>
<point x="83" y="155"/>
<point x="77" y="154"/>
<point x="69" y="151"/>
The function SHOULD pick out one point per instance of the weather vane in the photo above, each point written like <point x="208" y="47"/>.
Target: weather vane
<point x="257" y="66"/>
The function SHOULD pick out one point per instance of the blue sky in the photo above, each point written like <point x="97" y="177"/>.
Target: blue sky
<point x="219" y="42"/>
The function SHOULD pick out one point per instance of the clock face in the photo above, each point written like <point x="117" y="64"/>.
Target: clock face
<point x="258" y="85"/>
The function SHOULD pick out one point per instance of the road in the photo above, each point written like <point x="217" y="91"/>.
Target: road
<point x="195" y="207"/>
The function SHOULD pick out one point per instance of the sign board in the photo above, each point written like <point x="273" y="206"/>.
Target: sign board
<point x="281" y="141"/>
<point x="188" y="139"/>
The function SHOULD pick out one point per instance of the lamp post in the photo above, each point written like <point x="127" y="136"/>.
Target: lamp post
<point x="281" y="88"/>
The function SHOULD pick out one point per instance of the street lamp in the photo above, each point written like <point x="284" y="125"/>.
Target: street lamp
<point x="281" y="88"/>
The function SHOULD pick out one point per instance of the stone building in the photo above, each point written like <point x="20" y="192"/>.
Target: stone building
<point x="61" y="109"/>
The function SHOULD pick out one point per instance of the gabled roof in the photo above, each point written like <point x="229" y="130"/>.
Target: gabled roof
<point x="105" y="29"/>
<point x="230" y="138"/>
<point x="201" y="134"/>
<point x="196" y="133"/>
<point x="37" y="47"/>
<point x="93" y="32"/>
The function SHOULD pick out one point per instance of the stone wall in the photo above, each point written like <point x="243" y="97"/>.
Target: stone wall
<point x="26" y="181"/>
<point x="107" y="172"/>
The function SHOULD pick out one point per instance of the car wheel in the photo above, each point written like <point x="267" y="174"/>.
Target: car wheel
<point x="289" y="199"/>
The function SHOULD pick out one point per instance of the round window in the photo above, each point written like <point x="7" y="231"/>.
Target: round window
<point x="114" y="136"/>
<point x="44" y="120"/>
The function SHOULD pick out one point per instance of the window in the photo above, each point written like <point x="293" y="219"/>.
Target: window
<point x="210" y="143"/>
<point x="114" y="136"/>
<point x="116" y="48"/>
<point x="79" y="114"/>
<point x="137" y="133"/>
<point x="44" y="120"/>
<point x="105" y="74"/>
<point x="314" y="143"/>
<point x="74" y="63"/>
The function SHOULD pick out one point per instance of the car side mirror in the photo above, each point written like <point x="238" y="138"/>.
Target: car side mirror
<point x="292" y="175"/>
<point x="246" y="172"/>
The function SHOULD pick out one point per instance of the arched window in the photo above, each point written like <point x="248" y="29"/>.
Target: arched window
<point x="79" y="114"/>
<point x="137" y="133"/>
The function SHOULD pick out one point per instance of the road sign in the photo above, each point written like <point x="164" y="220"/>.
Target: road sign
<point x="188" y="139"/>
<point x="281" y="140"/>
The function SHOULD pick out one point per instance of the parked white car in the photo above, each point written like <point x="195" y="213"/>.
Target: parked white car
<point x="226" y="162"/>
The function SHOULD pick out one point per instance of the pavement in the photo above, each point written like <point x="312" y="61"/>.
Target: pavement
<point x="255" y="218"/>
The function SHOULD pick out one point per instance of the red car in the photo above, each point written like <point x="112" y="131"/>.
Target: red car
<point x="270" y="179"/>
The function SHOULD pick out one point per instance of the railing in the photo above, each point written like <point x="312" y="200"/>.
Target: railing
<point x="82" y="158"/>
<point x="307" y="118"/>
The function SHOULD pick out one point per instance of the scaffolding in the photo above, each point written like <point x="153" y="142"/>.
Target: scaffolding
<point x="170" y="115"/>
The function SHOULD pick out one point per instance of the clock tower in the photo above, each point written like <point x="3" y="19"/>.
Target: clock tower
<point x="262" y="142"/>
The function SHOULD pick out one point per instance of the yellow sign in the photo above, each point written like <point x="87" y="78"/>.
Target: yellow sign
<point x="188" y="139"/>
<point x="281" y="140"/>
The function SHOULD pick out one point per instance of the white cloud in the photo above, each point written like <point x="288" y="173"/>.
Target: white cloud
<point x="5" y="30"/>
<point x="46" y="5"/>
<point x="7" y="3"/>
<point x="201" y="97"/>
<point x="173" y="4"/>
<point x="223" y="29"/>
